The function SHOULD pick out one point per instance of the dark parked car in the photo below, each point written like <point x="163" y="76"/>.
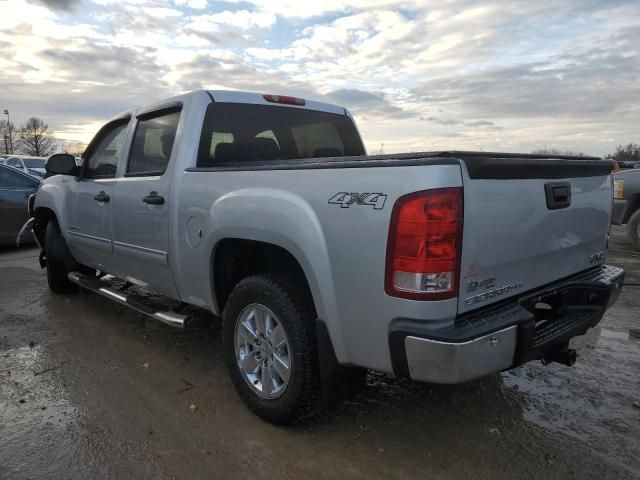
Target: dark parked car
<point x="626" y="203"/>
<point x="15" y="189"/>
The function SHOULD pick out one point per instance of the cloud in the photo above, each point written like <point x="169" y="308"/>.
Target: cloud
<point x="366" y="104"/>
<point x="228" y="27"/>
<point x="444" y="121"/>
<point x="195" y="4"/>
<point x="495" y="75"/>
<point x="66" y="5"/>
<point x="592" y="82"/>
<point x="480" y="123"/>
<point x="241" y="19"/>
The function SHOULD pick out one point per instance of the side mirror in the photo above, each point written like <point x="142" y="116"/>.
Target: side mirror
<point x="61" y="164"/>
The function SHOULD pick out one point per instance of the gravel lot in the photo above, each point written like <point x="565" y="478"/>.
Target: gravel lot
<point x="89" y="389"/>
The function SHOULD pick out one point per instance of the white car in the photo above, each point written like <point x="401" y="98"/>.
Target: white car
<point x="31" y="165"/>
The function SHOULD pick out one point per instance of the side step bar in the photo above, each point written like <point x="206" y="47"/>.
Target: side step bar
<point x="105" y="289"/>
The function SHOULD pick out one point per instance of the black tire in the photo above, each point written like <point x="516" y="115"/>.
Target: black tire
<point x="633" y="229"/>
<point x="294" y="309"/>
<point x="59" y="260"/>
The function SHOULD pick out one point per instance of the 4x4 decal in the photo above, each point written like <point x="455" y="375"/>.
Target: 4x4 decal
<point x="346" y="199"/>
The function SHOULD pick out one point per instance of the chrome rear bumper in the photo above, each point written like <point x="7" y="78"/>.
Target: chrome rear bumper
<point x="443" y="362"/>
<point x="506" y="335"/>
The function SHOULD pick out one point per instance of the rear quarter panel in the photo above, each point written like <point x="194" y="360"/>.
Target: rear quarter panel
<point x="342" y="250"/>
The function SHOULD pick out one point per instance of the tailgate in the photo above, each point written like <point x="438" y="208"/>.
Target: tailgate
<point x="529" y="222"/>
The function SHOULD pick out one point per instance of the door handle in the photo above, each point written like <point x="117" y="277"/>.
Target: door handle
<point x="102" y="197"/>
<point x="153" y="199"/>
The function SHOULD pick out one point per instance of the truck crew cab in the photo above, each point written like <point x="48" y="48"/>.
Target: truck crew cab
<point x="324" y="262"/>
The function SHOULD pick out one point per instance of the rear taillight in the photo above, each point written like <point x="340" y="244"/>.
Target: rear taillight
<point x="618" y="189"/>
<point x="423" y="250"/>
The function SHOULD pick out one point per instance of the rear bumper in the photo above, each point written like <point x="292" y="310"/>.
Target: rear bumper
<point x="504" y="336"/>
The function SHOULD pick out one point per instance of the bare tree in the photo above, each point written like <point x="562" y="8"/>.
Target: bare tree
<point x="8" y="132"/>
<point x="36" y="139"/>
<point x="73" y="148"/>
<point x="555" y="151"/>
<point x="626" y="153"/>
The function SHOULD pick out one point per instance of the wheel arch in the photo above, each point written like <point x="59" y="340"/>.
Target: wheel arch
<point x="235" y="258"/>
<point x="42" y="216"/>
<point x="281" y="225"/>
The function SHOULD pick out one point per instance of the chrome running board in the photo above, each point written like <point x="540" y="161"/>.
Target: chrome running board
<point x="106" y="289"/>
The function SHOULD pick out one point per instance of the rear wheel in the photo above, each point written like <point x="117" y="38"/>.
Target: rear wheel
<point x="633" y="228"/>
<point x="59" y="260"/>
<point x="269" y="341"/>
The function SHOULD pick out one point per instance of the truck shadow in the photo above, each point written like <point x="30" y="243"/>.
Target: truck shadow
<point x="410" y="425"/>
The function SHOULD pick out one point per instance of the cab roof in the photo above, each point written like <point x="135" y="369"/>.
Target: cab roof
<point x="234" y="96"/>
<point x="231" y="96"/>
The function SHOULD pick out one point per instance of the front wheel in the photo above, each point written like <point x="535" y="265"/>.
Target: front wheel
<point x="633" y="228"/>
<point x="269" y="340"/>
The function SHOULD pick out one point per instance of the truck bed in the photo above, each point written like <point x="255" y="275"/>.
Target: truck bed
<point x="479" y="164"/>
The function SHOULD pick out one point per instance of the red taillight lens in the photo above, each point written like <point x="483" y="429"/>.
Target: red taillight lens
<point x="423" y="250"/>
<point x="286" y="100"/>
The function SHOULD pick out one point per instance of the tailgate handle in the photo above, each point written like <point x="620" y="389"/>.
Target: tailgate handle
<point x="558" y="195"/>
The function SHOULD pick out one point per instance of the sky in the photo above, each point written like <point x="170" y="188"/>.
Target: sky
<point x="505" y="75"/>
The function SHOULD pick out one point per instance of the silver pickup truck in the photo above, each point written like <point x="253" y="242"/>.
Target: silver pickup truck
<point x="324" y="262"/>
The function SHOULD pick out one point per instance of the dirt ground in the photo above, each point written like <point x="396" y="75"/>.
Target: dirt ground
<point x="89" y="389"/>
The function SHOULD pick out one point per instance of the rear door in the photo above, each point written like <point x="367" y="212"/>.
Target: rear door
<point x="90" y="199"/>
<point x="529" y="222"/>
<point x="15" y="189"/>
<point x="142" y="202"/>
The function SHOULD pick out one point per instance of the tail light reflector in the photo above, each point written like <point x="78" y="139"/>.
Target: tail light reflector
<point x="423" y="249"/>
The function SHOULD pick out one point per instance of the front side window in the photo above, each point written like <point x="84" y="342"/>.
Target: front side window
<point x="153" y="143"/>
<point x="103" y="157"/>
<point x="236" y="133"/>
<point x="13" y="162"/>
<point x="15" y="181"/>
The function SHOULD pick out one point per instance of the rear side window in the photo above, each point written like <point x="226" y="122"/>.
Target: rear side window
<point x="153" y="143"/>
<point x="235" y="132"/>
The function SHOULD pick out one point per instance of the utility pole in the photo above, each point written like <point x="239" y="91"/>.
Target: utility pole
<point x="6" y="112"/>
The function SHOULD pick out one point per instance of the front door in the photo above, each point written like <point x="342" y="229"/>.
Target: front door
<point x="90" y="199"/>
<point x="142" y="204"/>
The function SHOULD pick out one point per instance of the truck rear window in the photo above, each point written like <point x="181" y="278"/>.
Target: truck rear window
<point x="237" y="132"/>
